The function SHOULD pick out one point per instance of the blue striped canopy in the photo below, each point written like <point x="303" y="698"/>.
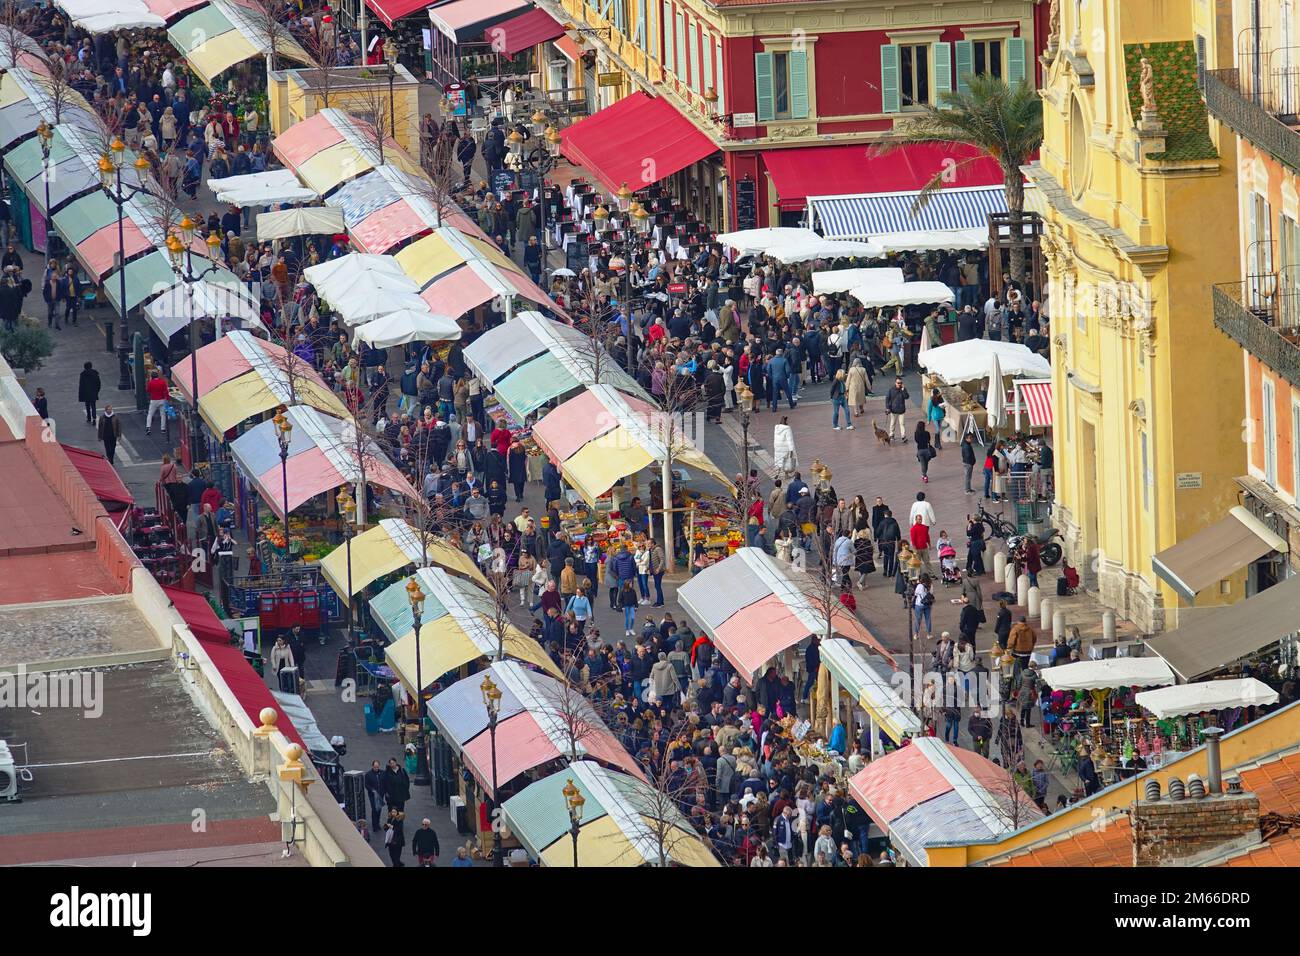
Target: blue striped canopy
<point x="860" y="217"/>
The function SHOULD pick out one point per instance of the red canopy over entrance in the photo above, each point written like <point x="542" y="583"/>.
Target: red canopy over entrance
<point x="390" y="11"/>
<point x="527" y="30"/>
<point x="103" y="480"/>
<point x="666" y="142"/>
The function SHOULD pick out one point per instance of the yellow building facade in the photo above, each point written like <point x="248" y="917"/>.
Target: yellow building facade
<point x="295" y="95"/>
<point x="1141" y="194"/>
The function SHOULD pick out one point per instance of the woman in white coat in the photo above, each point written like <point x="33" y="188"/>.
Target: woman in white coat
<point x="783" y="451"/>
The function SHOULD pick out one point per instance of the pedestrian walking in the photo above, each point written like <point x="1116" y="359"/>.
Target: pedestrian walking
<point x="157" y="390"/>
<point x="424" y="844"/>
<point x="88" y="386"/>
<point x="968" y="460"/>
<point x="925" y="452"/>
<point x="110" y="430"/>
<point x="896" y="407"/>
<point x="934" y="414"/>
<point x="839" y="402"/>
<point x="395" y="836"/>
<point x="376" y="792"/>
<point x="397" y="786"/>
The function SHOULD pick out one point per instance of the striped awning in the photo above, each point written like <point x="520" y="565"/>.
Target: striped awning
<point x="1036" y="397"/>
<point x="868" y="215"/>
<point x="217" y="36"/>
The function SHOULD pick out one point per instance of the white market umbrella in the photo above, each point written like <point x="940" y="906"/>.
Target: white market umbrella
<point x="338" y="275"/>
<point x="995" y="402"/>
<point x="172" y="311"/>
<point x="300" y="221"/>
<point x="748" y="242"/>
<point x="407" y="325"/>
<point x="803" y="250"/>
<point x="369" y="304"/>
<point x="262" y="189"/>
<point x="842" y="280"/>
<point x="562" y="273"/>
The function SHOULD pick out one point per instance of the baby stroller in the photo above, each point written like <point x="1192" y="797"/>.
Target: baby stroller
<point x="949" y="573"/>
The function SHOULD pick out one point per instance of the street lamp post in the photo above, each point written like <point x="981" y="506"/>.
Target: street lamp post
<point x="416" y="598"/>
<point x="492" y="702"/>
<point x="45" y="134"/>
<point x="347" y="510"/>
<point x="573" y="802"/>
<point x="283" y="435"/>
<point x="110" y="172"/>
<point x="182" y="260"/>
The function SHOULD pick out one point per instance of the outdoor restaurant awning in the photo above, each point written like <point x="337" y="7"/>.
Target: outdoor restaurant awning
<point x="805" y="250"/>
<point x="390" y="11"/>
<point x="602" y="435"/>
<point x="842" y="280"/>
<point x="969" y="361"/>
<point x="666" y="141"/>
<point x="867" y="217"/>
<point x="1219" y="637"/>
<point x="390" y="546"/>
<point x="463" y="21"/>
<point x="1206" y="696"/>
<point x="104" y="481"/>
<point x="536" y="725"/>
<point x="261" y="189"/>
<point x="457" y="625"/>
<point x="323" y="455"/>
<point x="930" y="792"/>
<point x="853" y="669"/>
<point x="1215" y="552"/>
<point x="753" y="611"/>
<point x="304" y="221"/>
<point x="240" y="376"/>
<point x="625" y="822"/>
<point x="1109" y="673"/>
<point x="225" y="32"/>
<point x="524" y="31"/>
<point x="752" y="242"/>
<point x="821" y="171"/>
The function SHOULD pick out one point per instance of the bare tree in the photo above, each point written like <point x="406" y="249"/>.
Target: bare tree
<point x="323" y="52"/>
<point x="18" y="28"/>
<point x="680" y="401"/>
<point x="594" y="319"/>
<point x="1013" y="797"/>
<point x="571" y="702"/>
<point x="268" y="29"/>
<point x="382" y="111"/>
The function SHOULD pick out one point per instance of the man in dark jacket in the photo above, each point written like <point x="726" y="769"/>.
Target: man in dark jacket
<point x="376" y="792"/>
<point x="397" y="785"/>
<point x="896" y="406"/>
<point x="424" y="844"/>
<point x="968" y="459"/>
<point x="88" y="386"/>
<point x="887" y="537"/>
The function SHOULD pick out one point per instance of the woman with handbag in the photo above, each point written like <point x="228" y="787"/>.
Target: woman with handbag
<point x="925" y="452"/>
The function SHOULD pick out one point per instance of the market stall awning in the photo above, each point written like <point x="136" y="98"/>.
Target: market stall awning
<point x="666" y="141"/>
<point x="407" y="325"/>
<point x="225" y="32"/>
<point x="98" y="251"/>
<point x="463" y="21"/>
<point x="390" y="546"/>
<point x="387" y="206"/>
<point x="240" y="376"/>
<point x="1109" y="673"/>
<point x="867" y="217"/>
<point x="625" y="822"/>
<point x="1036" y="399"/>
<point x="447" y="249"/>
<point x="524" y="31"/>
<point x="842" y="280"/>
<point x="390" y="11"/>
<point x="540" y="720"/>
<point x="1219" y="637"/>
<point x="109" y="16"/>
<point x="930" y="793"/>
<point x="968" y="361"/>
<point x="753" y="611"/>
<point x="457" y="626"/>
<point x="602" y="435"/>
<point x="806" y="250"/>
<point x="884" y="294"/>
<point x="820" y="171"/>
<point x="853" y="669"/>
<point x="270" y="188"/>
<point x="146" y="277"/>
<point x="333" y="147"/>
<point x="304" y="221"/>
<point x="1215" y="552"/>
<point x="1206" y="696"/>
<point x="323" y="455"/>
<point x="229" y="299"/>
<point x="752" y="242"/>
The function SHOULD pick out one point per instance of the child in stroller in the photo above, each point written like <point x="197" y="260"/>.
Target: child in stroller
<point x="949" y="573"/>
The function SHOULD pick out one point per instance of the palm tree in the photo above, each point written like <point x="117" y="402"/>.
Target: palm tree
<point x="999" y="119"/>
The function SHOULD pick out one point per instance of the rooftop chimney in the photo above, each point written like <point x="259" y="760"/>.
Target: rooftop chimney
<point x="1214" y="765"/>
<point x="1192" y="825"/>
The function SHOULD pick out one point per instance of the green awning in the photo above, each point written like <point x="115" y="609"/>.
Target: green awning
<point x="79" y="221"/>
<point x="25" y="161"/>
<point x="391" y="610"/>
<point x="68" y="179"/>
<point x="534" y="384"/>
<point x="18" y="120"/>
<point x="539" y="814"/>
<point x="145" y="278"/>
<point x="197" y="28"/>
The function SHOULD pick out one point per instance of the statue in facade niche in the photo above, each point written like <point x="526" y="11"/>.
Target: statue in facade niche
<point x="1147" y="86"/>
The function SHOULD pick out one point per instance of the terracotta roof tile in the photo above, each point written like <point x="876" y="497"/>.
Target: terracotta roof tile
<point x="1110" y="846"/>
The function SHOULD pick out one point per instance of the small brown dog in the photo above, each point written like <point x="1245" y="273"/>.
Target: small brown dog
<point x="882" y="436"/>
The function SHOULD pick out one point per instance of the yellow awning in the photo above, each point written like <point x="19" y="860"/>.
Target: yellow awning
<point x="375" y="554"/>
<point x="248" y="395"/>
<point x="333" y="165"/>
<point x="601" y="843"/>
<point x="444" y="646"/>
<point x="601" y="462"/>
<point x="218" y="54"/>
<point x="492" y="253"/>
<point x="696" y="459"/>
<point x="11" y="93"/>
<point x="428" y="258"/>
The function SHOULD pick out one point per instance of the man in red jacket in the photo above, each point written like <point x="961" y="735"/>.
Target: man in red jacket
<point x="920" y="538"/>
<point x="158" y="392"/>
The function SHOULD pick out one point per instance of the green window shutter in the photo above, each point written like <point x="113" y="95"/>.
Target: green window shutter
<point x="693" y="41"/>
<point x="1015" y="60"/>
<point x="639" y="37"/>
<point x="798" y="61"/>
<point x="683" y="56"/>
<point x="941" y="56"/>
<point x="667" y="25"/>
<point x="720" y="86"/>
<point x="889" y="102"/>
<point x="763" y="86"/>
<point x="707" y="55"/>
<point x="965" y="64"/>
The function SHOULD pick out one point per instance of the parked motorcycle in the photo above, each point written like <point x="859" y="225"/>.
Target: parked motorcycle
<point x="1049" y="551"/>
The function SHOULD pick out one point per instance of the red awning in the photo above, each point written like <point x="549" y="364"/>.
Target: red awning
<point x="526" y="31"/>
<point x="101" y="477"/>
<point x="198" y="614"/>
<point x="806" y="171"/>
<point x="570" y="49"/>
<point x="390" y="11"/>
<point x="638" y="141"/>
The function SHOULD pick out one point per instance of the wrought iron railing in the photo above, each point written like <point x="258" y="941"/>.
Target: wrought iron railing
<point x="1263" y="321"/>
<point x="1256" y="115"/>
